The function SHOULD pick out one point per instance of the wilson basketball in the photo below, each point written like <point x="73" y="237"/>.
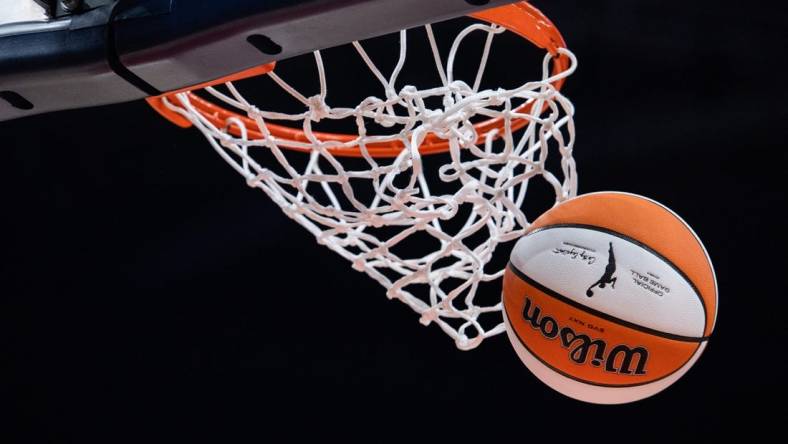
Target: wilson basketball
<point x="609" y="298"/>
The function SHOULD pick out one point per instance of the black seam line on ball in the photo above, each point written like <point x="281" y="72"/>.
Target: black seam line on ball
<point x="641" y="245"/>
<point x="601" y="314"/>
<point x="589" y="382"/>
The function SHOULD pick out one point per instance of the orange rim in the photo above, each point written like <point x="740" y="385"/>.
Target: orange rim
<point x="520" y="18"/>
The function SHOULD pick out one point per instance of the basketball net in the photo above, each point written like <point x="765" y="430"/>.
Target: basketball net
<point x="370" y="196"/>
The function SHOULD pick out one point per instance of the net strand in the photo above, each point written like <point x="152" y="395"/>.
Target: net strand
<point x="429" y="249"/>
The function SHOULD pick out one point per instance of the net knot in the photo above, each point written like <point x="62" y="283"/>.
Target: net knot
<point x="428" y="316"/>
<point x="359" y="264"/>
<point x="318" y="108"/>
<point x="254" y="180"/>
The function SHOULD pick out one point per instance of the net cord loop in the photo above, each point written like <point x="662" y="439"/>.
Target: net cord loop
<point x="428" y="235"/>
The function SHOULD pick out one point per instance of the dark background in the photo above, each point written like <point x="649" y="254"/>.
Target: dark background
<point x="147" y="293"/>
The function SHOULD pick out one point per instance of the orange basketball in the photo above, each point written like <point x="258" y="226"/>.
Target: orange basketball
<point x="609" y="298"/>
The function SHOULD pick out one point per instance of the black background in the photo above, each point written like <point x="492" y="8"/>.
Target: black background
<point x="147" y="293"/>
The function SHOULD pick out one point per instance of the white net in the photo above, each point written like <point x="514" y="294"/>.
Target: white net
<point x="424" y="226"/>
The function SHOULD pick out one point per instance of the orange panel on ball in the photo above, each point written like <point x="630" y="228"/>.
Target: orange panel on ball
<point x="588" y="347"/>
<point x="650" y="223"/>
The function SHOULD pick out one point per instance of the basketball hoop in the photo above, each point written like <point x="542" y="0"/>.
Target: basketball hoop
<point x="367" y="195"/>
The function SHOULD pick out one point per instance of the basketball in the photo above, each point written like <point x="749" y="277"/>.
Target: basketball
<point x="609" y="298"/>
